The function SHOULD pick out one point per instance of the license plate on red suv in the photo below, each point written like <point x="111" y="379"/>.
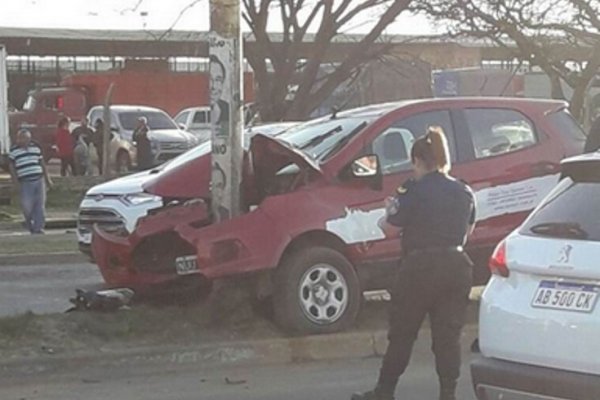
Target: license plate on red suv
<point x="566" y="296"/>
<point x="186" y="265"/>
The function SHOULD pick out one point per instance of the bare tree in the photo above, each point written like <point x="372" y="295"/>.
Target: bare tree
<point x="562" y="37"/>
<point x="279" y="65"/>
<point x="279" y="60"/>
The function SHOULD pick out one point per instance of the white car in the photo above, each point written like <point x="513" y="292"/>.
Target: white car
<point x="195" y="120"/>
<point x="118" y="204"/>
<point x="539" y="327"/>
<point x="167" y="139"/>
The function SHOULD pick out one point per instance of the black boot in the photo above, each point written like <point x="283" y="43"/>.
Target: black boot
<point x="447" y="389"/>
<point x="376" y="394"/>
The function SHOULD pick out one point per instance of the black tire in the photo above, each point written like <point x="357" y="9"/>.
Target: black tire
<point x="309" y="276"/>
<point x="123" y="162"/>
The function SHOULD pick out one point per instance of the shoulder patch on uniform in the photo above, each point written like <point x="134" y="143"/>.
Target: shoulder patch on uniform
<point x="405" y="187"/>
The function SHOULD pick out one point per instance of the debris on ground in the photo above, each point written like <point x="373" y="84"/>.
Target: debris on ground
<point x="235" y="382"/>
<point x="102" y="300"/>
<point x="228" y="315"/>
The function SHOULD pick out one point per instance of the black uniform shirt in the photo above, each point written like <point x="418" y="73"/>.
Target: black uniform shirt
<point x="435" y="211"/>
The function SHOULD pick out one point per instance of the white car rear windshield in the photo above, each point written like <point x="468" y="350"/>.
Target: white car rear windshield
<point x="571" y="211"/>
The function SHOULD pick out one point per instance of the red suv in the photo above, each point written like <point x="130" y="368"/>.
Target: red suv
<point x="311" y="235"/>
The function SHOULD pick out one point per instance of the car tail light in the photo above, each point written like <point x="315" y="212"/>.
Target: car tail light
<point x="498" y="264"/>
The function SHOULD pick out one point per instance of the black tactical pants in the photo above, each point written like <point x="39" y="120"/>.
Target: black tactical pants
<point x="434" y="284"/>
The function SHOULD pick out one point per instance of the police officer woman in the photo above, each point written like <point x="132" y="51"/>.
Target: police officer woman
<point x="437" y="213"/>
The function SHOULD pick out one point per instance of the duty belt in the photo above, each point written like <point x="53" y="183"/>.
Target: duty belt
<point x="436" y="250"/>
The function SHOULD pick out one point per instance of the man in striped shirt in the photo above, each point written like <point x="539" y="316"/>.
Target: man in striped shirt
<point x="28" y="173"/>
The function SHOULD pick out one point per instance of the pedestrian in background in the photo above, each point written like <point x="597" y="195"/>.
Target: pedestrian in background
<point x="143" y="144"/>
<point x="65" y="147"/>
<point x="28" y="173"/>
<point x="83" y="130"/>
<point x="437" y="213"/>
<point x="98" y="142"/>
<point x="81" y="156"/>
<point x="82" y="137"/>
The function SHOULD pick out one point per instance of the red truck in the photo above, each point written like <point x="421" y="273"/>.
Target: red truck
<point x="135" y="85"/>
<point x="312" y="233"/>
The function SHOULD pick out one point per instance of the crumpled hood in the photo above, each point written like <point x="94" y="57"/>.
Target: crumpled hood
<point x="186" y="181"/>
<point x="192" y="179"/>
<point x="270" y="154"/>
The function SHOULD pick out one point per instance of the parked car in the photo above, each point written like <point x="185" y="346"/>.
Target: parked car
<point x="539" y="320"/>
<point x="168" y="140"/>
<point x="195" y="120"/>
<point x="310" y="230"/>
<point x="118" y="204"/>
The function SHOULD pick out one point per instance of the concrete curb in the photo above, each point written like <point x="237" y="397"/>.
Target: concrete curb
<point x="264" y="351"/>
<point x="52" y="223"/>
<point x="61" y="223"/>
<point x="41" y="259"/>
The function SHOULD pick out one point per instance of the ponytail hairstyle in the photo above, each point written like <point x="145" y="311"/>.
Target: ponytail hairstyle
<point x="432" y="149"/>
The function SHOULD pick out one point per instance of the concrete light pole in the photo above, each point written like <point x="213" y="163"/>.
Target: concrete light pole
<point x="4" y="134"/>
<point x="106" y="117"/>
<point x="226" y="100"/>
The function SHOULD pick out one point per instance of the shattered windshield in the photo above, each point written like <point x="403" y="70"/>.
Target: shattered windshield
<point x="317" y="138"/>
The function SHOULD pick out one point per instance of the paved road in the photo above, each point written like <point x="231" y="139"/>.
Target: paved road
<point x="309" y="381"/>
<point x="43" y="288"/>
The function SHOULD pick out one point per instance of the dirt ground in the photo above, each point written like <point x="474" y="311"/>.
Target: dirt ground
<point x="148" y="325"/>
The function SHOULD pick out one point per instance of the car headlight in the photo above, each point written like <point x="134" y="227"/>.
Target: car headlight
<point x="140" y="198"/>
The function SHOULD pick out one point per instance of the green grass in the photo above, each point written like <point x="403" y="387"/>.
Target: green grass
<point x="64" y="197"/>
<point x="147" y="325"/>
<point x="16" y="326"/>
<point x="38" y="244"/>
<point x="143" y="325"/>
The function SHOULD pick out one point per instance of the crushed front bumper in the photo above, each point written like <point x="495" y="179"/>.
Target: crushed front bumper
<point x="248" y="243"/>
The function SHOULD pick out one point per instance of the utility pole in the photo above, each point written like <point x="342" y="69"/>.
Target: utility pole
<point x="107" y="133"/>
<point x="226" y="101"/>
<point x="4" y="133"/>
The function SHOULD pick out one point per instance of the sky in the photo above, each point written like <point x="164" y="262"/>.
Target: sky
<point x="151" y="14"/>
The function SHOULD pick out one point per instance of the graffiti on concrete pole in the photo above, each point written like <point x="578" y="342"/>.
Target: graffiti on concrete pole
<point x="225" y="57"/>
<point x="4" y="134"/>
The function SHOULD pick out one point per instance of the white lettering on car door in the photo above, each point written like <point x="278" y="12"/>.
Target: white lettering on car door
<point x="513" y="197"/>
<point x="359" y="226"/>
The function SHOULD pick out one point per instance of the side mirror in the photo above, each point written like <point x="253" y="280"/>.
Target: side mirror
<point x="368" y="168"/>
<point x="182" y="127"/>
<point x="114" y="129"/>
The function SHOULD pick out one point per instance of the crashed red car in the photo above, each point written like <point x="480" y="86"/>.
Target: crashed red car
<point x="310" y="234"/>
